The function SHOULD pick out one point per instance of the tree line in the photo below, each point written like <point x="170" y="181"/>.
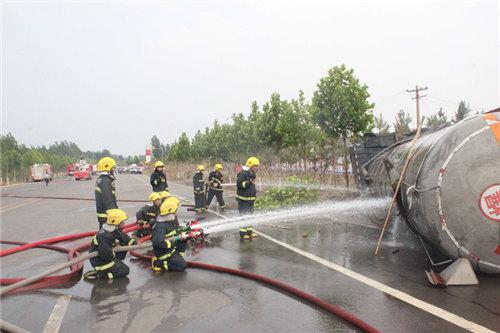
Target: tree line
<point x="16" y="158"/>
<point x="297" y="130"/>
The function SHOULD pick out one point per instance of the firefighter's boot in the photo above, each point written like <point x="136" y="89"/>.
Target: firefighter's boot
<point x="155" y="265"/>
<point x="250" y="233"/>
<point x="91" y="275"/>
<point x="244" y="233"/>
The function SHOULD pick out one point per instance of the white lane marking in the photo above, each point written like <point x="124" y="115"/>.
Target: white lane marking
<point x="432" y="309"/>
<point x="14" y="204"/>
<point x="57" y="315"/>
<point x="20" y="204"/>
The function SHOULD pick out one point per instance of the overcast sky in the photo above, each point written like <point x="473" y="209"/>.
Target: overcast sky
<point x="110" y="75"/>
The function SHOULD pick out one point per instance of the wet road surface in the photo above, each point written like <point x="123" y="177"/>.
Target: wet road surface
<point x="199" y="300"/>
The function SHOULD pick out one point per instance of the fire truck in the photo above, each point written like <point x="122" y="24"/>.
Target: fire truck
<point x="82" y="170"/>
<point x="38" y="171"/>
<point x="70" y="169"/>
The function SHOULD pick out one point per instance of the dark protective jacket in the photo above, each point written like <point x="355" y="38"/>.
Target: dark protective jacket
<point x="103" y="242"/>
<point x="198" y="183"/>
<point x="105" y="198"/>
<point x="147" y="214"/>
<point x="245" y="186"/>
<point x="215" y="178"/>
<point x="158" y="181"/>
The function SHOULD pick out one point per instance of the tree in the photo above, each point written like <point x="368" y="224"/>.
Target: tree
<point x="181" y="149"/>
<point x="463" y="112"/>
<point x="271" y="121"/>
<point x="381" y="125"/>
<point x="156" y="148"/>
<point x="437" y="120"/>
<point x="402" y="122"/>
<point x="341" y="107"/>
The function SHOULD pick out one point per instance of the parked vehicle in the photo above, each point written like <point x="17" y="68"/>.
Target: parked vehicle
<point x="70" y="169"/>
<point x="82" y="170"/>
<point x="38" y="171"/>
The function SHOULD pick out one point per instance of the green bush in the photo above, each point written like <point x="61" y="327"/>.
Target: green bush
<point x="296" y="192"/>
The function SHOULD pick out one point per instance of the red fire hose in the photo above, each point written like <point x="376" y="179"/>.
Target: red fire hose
<point x="54" y="240"/>
<point x="50" y="281"/>
<point x="76" y="271"/>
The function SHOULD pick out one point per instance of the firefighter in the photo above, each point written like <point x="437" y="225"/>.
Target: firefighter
<point x="105" y="198"/>
<point x="164" y="195"/>
<point x="246" y="193"/>
<point x="147" y="215"/>
<point x="158" y="179"/>
<point x="168" y="254"/>
<point x="215" y="180"/>
<point x="108" y="265"/>
<point x="199" y="189"/>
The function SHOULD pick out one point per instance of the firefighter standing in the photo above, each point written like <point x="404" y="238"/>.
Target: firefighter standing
<point x="168" y="254"/>
<point x="199" y="189"/>
<point x="215" y="180"/>
<point x="158" y="179"/>
<point x="146" y="216"/>
<point x="108" y="265"/>
<point x="105" y="198"/>
<point x="246" y="193"/>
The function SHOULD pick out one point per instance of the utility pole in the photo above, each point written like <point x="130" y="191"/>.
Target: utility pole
<point x="417" y="97"/>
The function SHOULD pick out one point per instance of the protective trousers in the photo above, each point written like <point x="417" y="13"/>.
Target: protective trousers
<point x="245" y="207"/>
<point x="218" y="194"/>
<point x="167" y="256"/>
<point x="118" y="270"/>
<point x="199" y="201"/>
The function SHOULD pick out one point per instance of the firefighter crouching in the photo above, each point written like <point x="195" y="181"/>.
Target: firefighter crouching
<point x="146" y="216"/>
<point x="246" y="193"/>
<point x="158" y="179"/>
<point x="199" y="189"/>
<point x="168" y="254"/>
<point x="105" y="198"/>
<point x="108" y="265"/>
<point x="164" y="195"/>
<point x="215" y="180"/>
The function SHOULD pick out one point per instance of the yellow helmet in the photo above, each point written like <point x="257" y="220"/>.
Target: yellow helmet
<point x="115" y="216"/>
<point x="218" y="166"/>
<point x="200" y="167"/>
<point x="105" y="164"/>
<point x="154" y="196"/>
<point x="159" y="164"/>
<point x="252" y="161"/>
<point x="169" y="206"/>
<point x="164" y="194"/>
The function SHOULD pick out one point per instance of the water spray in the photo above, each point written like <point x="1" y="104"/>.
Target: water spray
<point x="293" y="214"/>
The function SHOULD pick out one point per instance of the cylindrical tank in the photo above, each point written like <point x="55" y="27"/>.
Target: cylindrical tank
<point x="450" y="193"/>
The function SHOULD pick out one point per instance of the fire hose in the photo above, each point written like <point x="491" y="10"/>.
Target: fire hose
<point x="76" y="263"/>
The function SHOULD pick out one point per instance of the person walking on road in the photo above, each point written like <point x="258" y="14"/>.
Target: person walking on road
<point x="107" y="264"/>
<point x="246" y="193"/>
<point x="158" y="179"/>
<point x="215" y="180"/>
<point x="46" y="178"/>
<point x="199" y="189"/>
<point x="105" y="198"/>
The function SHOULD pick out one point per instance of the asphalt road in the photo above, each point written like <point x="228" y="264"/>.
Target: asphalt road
<point x="199" y="300"/>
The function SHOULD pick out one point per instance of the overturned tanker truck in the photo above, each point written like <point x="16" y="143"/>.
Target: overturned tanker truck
<point x="450" y="193"/>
